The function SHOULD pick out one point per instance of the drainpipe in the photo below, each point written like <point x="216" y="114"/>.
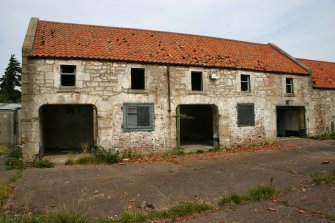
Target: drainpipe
<point x="169" y="88"/>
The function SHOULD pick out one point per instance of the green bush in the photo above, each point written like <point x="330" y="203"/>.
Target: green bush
<point x="14" y="156"/>
<point x="43" y="164"/>
<point x="107" y="156"/>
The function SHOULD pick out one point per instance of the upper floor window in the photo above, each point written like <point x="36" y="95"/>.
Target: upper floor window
<point x="289" y="86"/>
<point x="68" y="75"/>
<point x="138" y="117"/>
<point x="245" y="82"/>
<point x="137" y="79"/>
<point x="245" y="115"/>
<point x="196" y="81"/>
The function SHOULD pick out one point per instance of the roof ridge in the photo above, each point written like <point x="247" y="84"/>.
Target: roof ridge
<point x="157" y="31"/>
<point x="294" y="60"/>
<point x="315" y="60"/>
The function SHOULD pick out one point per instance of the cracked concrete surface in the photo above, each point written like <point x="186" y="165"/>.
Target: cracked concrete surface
<point x="108" y="190"/>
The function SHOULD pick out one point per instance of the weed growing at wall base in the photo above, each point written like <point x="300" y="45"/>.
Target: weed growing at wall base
<point x="43" y="164"/>
<point x="324" y="136"/>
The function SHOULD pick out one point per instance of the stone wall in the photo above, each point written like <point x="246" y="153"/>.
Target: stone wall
<point x="323" y="108"/>
<point x="106" y="85"/>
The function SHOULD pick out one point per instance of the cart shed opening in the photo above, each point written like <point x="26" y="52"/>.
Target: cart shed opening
<point x="66" y="128"/>
<point x="290" y="121"/>
<point x="197" y="125"/>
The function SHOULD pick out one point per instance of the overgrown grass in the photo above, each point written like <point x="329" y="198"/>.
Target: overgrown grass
<point x="6" y="189"/>
<point x="261" y="193"/>
<point x="43" y="164"/>
<point x="324" y="136"/>
<point x="233" y="199"/>
<point x="180" y="210"/>
<point x="254" y="194"/>
<point x="62" y="215"/>
<point x="67" y="215"/>
<point x="318" y="179"/>
<point x="75" y="215"/>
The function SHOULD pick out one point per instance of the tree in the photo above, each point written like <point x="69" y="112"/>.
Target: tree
<point x="10" y="82"/>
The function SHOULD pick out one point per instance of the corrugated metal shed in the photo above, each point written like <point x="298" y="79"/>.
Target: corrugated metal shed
<point x="10" y="127"/>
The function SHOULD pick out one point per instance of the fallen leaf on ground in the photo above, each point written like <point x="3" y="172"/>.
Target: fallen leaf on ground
<point x="301" y="211"/>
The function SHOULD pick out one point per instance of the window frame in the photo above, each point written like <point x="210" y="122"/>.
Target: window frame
<point x="239" y="120"/>
<point x="290" y="85"/>
<point x="126" y="125"/>
<point x="62" y="74"/>
<point x="132" y="81"/>
<point x="201" y="80"/>
<point x="247" y="81"/>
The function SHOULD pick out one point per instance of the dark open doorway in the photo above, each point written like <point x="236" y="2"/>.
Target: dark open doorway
<point x="197" y="125"/>
<point x="290" y="121"/>
<point x="67" y="128"/>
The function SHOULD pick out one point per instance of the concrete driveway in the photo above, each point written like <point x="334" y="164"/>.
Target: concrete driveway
<point x="108" y="190"/>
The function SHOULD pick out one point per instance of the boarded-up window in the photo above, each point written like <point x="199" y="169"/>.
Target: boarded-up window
<point x="138" y="117"/>
<point x="196" y="81"/>
<point x="245" y="114"/>
<point x="68" y="75"/>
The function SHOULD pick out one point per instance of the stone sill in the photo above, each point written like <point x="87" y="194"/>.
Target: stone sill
<point x="247" y="93"/>
<point x="289" y="95"/>
<point x="135" y="91"/>
<point x="197" y="92"/>
<point x="68" y="89"/>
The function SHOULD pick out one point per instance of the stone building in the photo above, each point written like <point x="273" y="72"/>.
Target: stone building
<point x="148" y="91"/>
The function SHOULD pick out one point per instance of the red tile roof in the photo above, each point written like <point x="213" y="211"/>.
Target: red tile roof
<point x="323" y="73"/>
<point x="66" y="40"/>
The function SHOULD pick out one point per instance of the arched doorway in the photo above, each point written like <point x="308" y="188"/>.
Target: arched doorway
<point x="67" y="128"/>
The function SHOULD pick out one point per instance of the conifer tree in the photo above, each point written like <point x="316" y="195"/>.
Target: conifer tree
<point x="10" y="82"/>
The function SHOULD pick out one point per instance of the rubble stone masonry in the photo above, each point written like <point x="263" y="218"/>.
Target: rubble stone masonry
<point x="107" y="85"/>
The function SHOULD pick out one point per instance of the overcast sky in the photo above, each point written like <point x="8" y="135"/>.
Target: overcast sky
<point x="303" y="28"/>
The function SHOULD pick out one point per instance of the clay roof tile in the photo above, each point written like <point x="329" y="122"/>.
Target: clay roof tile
<point x="62" y="40"/>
